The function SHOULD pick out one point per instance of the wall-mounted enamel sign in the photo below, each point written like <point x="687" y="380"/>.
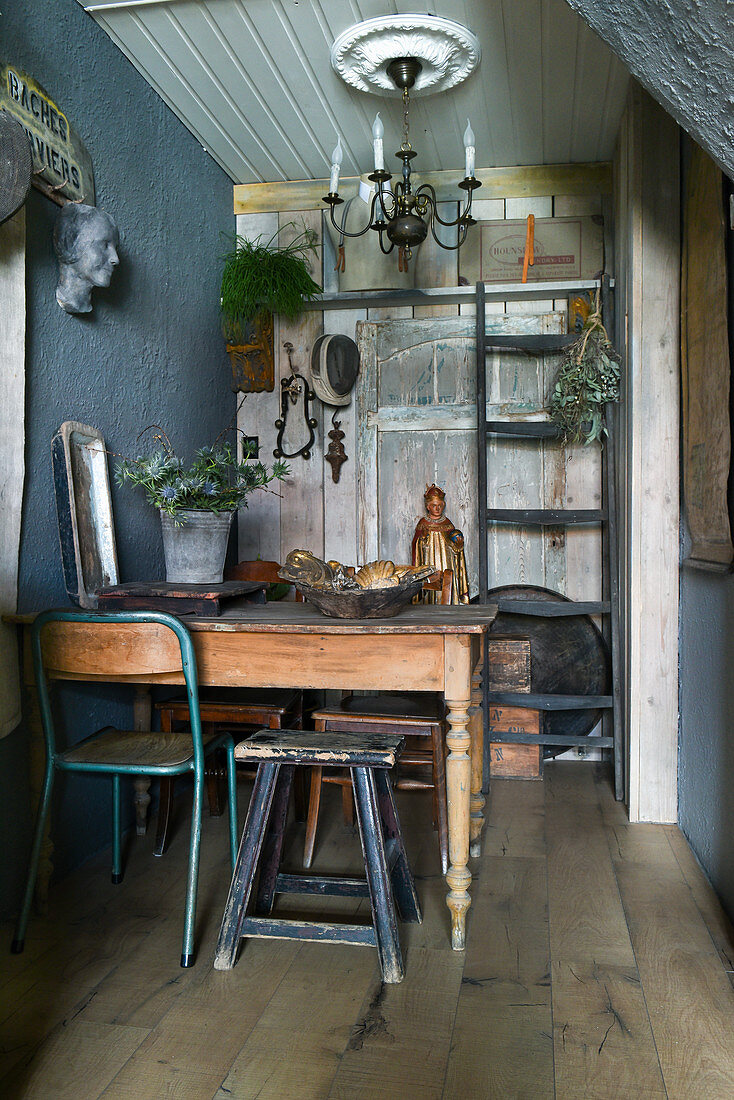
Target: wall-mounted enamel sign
<point x="60" y="160"/>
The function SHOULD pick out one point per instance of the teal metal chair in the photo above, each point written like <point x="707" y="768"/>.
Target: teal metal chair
<point x="128" y="752"/>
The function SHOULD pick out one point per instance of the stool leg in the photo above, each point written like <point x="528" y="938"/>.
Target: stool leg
<point x="439" y="789"/>
<point x="244" y="872"/>
<point x="401" y="876"/>
<point x="314" y="802"/>
<point x="378" y="877"/>
<point x="274" y="837"/>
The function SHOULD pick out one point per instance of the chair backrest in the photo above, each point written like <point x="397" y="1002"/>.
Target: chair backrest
<point x="140" y="645"/>
<point x="441" y="581"/>
<point x="265" y="571"/>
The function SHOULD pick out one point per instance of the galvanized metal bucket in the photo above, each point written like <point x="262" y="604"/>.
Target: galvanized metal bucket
<point x="195" y="550"/>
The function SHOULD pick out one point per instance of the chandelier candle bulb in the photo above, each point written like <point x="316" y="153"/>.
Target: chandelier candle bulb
<point x="336" y="163"/>
<point x="378" y="131"/>
<point x="469" y="150"/>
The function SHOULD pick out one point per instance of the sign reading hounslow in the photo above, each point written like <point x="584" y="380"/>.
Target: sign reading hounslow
<point x="59" y="156"/>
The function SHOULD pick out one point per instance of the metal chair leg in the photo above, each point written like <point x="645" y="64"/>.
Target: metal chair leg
<point x="116" y="831"/>
<point x="25" y="912"/>
<point x="187" y="950"/>
<point x="232" y="798"/>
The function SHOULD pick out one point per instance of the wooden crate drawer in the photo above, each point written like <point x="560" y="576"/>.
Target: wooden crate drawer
<point x="513" y="761"/>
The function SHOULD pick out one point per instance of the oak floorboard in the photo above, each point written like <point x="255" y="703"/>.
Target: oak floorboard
<point x="587" y="921"/>
<point x="514" y="819"/>
<point x="597" y="965"/>
<point x="325" y="985"/>
<point x="690" y="1000"/>
<point x="717" y="922"/>
<point x="502" y="1043"/>
<point x="75" y="1062"/>
<point x="400" y="1041"/>
<point x="603" y="1042"/>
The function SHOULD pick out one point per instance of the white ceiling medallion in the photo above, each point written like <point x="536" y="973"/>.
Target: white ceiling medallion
<point x="448" y="52"/>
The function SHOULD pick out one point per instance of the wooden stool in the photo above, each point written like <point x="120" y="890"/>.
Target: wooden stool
<point x="278" y="753"/>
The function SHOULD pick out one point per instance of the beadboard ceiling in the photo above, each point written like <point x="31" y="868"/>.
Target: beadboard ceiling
<point x="251" y="79"/>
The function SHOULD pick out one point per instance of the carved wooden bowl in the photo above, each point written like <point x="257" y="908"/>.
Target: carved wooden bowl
<point x="364" y="603"/>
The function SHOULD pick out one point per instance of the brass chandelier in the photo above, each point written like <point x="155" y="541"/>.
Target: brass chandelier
<point x="369" y="57"/>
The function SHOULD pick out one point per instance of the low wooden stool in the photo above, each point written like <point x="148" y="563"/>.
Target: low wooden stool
<point x="389" y="880"/>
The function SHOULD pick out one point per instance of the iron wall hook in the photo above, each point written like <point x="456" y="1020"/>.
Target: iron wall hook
<point x="291" y="388"/>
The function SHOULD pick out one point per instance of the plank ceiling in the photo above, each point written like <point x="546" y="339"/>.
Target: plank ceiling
<point x="252" y="81"/>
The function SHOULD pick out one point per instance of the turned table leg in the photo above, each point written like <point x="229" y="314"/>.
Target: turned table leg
<point x="476" y="733"/>
<point x="457" y="689"/>
<point x="142" y="718"/>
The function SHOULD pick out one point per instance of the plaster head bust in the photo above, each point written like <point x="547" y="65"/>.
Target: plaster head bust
<point x="86" y="241"/>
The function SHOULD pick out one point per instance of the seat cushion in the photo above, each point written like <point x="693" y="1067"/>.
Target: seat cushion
<point x="112" y="746"/>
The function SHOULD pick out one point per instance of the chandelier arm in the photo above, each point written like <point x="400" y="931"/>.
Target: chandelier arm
<point x="428" y="191"/>
<point x="460" y="238"/>
<point x="385" y="251"/>
<point x="344" y="233"/>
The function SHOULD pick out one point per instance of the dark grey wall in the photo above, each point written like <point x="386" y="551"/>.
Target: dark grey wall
<point x="706" y="750"/>
<point x="706" y="747"/>
<point x="150" y="352"/>
<point x="682" y="51"/>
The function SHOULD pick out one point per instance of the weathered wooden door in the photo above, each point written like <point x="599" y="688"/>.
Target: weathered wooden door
<point x="417" y="425"/>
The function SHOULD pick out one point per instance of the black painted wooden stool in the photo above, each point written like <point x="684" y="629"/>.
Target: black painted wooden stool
<point x="389" y="880"/>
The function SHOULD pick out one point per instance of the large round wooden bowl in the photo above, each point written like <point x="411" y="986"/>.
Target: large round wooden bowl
<point x="364" y="603"/>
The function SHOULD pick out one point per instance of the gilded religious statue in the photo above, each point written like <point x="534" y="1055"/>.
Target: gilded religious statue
<point x="438" y="543"/>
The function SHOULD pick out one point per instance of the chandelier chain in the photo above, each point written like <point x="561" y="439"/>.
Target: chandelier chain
<point x="406" y="146"/>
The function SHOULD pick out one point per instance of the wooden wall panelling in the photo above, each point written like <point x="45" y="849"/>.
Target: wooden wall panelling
<point x="524" y="181"/>
<point x="366" y="396"/>
<point x="340" y="499"/>
<point x="259" y="523"/>
<point x="436" y="266"/>
<point x="652" y="413"/>
<point x="302" y="494"/>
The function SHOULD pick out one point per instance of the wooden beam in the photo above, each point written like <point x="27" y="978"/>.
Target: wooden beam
<point x="525" y="181"/>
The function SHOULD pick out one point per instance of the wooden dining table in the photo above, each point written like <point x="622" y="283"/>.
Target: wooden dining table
<point x="290" y="645"/>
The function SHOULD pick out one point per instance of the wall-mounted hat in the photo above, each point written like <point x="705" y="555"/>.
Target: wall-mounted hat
<point x="15" y="166"/>
<point x="334" y="368"/>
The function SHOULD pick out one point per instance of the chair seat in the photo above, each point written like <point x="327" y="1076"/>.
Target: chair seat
<point x="372" y="750"/>
<point x="153" y="750"/>
<point x="278" y="700"/>
<point x="420" y="707"/>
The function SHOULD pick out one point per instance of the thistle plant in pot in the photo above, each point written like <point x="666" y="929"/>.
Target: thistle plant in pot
<point x="261" y="278"/>
<point x="196" y="501"/>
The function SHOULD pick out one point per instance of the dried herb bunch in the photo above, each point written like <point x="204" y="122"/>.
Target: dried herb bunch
<point x="213" y="482"/>
<point x="588" y="378"/>
<point x="265" y="277"/>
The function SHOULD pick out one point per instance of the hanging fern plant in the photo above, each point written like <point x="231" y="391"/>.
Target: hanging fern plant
<point x="264" y="277"/>
<point x="588" y="379"/>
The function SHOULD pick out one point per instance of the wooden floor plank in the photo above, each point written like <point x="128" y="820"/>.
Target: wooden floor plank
<point x="690" y="1000"/>
<point x="597" y="965"/>
<point x="514" y="819"/>
<point x="717" y="922"/>
<point x="399" y="1045"/>
<point x="603" y="1042"/>
<point x="75" y="1062"/>
<point x="325" y="985"/>
<point x="587" y="920"/>
<point x="502" y="1042"/>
